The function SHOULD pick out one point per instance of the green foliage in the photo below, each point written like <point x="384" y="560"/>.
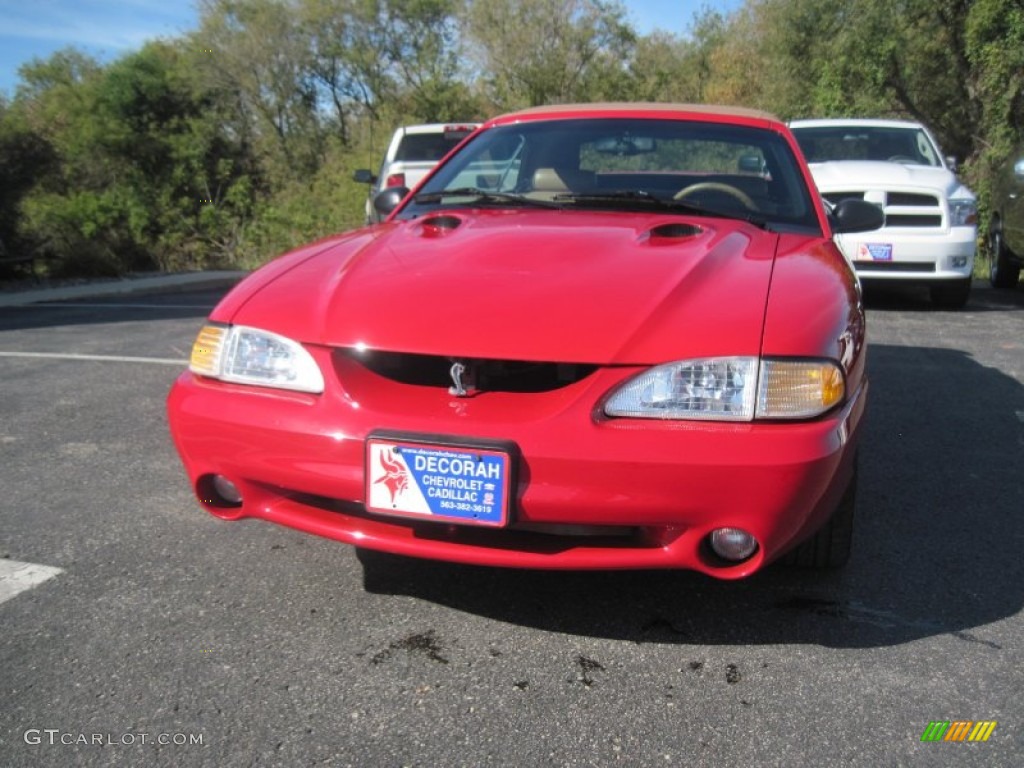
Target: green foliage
<point x="303" y="211"/>
<point x="995" y="49"/>
<point x="547" y="51"/>
<point x="660" y="69"/>
<point x="237" y="141"/>
<point x="24" y="156"/>
<point x="142" y="178"/>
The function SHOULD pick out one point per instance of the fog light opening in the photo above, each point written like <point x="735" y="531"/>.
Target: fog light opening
<point x="732" y="544"/>
<point x="218" y="491"/>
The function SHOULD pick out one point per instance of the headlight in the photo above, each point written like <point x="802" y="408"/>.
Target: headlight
<point x="719" y="389"/>
<point x="250" y="356"/>
<point x="731" y="389"/>
<point x="963" y="213"/>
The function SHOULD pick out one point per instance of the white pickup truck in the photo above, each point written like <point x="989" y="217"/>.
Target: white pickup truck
<point x="931" y="219"/>
<point x="414" y="150"/>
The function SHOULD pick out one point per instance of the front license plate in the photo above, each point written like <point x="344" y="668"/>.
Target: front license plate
<point x="874" y="252"/>
<point x="437" y="481"/>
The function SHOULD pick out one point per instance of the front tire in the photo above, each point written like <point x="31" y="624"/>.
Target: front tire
<point x="1002" y="273"/>
<point x="952" y="294"/>
<point x="830" y="547"/>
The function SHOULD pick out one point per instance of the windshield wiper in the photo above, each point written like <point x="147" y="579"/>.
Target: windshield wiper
<point x="644" y="197"/>
<point x="483" y="196"/>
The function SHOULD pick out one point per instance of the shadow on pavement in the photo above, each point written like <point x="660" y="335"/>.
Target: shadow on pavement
<point x="937" y="546"/>
<point x="984" y="298"/>
<point x="119" y="309"/>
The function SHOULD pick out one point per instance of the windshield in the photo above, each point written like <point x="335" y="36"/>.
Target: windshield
<point x="909" y="145"/>
<point x="703" y="168"/>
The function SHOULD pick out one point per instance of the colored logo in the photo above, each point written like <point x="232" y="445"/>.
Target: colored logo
<point x="396" y="477"/>
<point x="958" y="730"/>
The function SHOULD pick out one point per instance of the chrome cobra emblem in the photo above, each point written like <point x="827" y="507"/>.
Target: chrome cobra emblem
<point x="462" y="380"/>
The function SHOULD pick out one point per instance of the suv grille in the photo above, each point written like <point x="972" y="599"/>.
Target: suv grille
<point x="911" y="198"/>
<point x="902" y="209"/>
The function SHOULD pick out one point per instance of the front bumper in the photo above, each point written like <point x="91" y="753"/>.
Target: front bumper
<point x="911" y="256"/>
<point x="593" y="493"/>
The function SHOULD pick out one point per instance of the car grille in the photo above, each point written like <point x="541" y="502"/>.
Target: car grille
<point x="901" y="209"/>
<point x="485" y="375"/>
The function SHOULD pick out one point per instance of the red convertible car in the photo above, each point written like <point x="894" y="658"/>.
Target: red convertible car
<point x="595" y="336"/>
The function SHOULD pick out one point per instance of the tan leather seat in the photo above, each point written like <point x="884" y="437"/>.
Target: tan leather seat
<point x="550" y="181"/>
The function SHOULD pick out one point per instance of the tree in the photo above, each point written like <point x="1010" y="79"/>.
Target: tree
<point x="871" y="58"/>
<point x="995" y="51"/>
<point x="396" y="60"/>
<point x="532" y="52"/>
<point x="994" y="42"/>
<point x="260" y="51"/>
<point x="25" y="155"/>
<point x="140" y="174"/>
<point x="239" y="139"/>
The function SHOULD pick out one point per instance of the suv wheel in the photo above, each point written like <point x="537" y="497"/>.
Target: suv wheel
<point x="1002" y="273"/>
<point x="952" y="294"/>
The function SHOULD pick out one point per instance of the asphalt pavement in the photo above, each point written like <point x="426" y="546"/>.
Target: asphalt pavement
<point x="135" y="629"/>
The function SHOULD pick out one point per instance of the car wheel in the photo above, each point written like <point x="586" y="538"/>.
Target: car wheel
<point x="830" y="546"/>
<point x="951" y="295"/>
<point x="1001" y="272"/>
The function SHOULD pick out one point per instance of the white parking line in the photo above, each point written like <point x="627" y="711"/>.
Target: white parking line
<point x="16" y="577"/>
<point x="99" y="358"/>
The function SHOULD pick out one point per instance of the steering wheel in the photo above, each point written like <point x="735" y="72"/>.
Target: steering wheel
<point x="715" y="186"/>
<point x="902" y="159"/>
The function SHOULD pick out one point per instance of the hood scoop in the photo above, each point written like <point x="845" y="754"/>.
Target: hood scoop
<point x="666" y="234"/>
<point x="439" y="226"/>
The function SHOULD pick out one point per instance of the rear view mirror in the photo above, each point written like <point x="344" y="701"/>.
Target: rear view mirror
<point x="625" y="145"/>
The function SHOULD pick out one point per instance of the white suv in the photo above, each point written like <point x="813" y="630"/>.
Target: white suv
<point x="413" y="152"/>
<point x="930" y="232"/>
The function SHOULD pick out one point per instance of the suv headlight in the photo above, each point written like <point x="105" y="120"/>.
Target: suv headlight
<point x="246" y="355"/>
<point x="731" y="389"/>
<point x="963" y="212"/>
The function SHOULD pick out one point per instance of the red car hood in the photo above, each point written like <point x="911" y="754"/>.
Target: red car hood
<point x="558" y="286"/>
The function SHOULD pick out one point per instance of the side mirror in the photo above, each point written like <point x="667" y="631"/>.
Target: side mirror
<point x="364" y="176"/>
<point x="1018" y="169"/>
<point x="953" y="163"/>
<point x="387" y="200"/>
<point x="856" y="216"/>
